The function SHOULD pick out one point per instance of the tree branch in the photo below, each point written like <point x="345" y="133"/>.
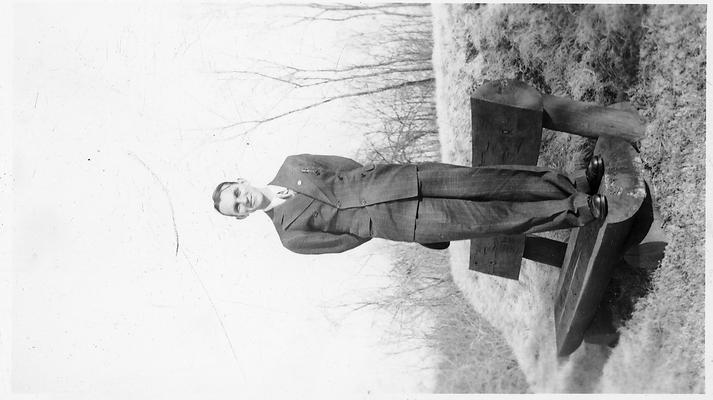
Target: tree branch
<point x="328" y="100"/>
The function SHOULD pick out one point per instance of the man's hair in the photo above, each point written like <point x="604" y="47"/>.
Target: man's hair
<point x="216" y="193"/>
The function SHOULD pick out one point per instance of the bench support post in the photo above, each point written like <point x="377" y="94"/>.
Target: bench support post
<point x="507" y="130"/>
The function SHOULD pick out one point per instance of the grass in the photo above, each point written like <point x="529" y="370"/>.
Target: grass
<point x="474" y="357"/>
<point x="655" y="56"/>
<point x="665" y="337"/>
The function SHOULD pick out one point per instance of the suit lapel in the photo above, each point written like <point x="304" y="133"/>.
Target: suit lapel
<point x="286" y="213"/>
<point x="291" y="176"/>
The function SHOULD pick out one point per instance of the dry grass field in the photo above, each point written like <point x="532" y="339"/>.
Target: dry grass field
<point x="473" y="356"/>
<point x="655" y="57"/>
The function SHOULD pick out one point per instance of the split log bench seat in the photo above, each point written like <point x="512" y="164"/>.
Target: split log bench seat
<point x="507" y="121"/>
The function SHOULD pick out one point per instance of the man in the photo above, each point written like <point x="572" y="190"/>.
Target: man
<point x="329" y="204"/>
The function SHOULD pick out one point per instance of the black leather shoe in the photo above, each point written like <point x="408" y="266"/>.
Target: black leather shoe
<point x="598" y="206"/>
<point x="594" y="173"/>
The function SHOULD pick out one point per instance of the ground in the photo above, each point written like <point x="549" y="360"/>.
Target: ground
<point x="653" y="56"/>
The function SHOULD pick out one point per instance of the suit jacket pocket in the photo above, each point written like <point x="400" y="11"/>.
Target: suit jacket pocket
<point x="323" y="217"/>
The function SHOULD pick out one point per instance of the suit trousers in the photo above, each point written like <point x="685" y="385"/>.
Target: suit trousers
<point x="458" y="202"/>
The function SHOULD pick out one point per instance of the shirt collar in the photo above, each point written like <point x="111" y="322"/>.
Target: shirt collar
<point x="274" y="200"/>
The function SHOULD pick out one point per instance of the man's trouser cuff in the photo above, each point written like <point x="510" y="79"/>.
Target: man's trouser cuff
<point x="584" y="212"/>
<point x="581" y="183"/>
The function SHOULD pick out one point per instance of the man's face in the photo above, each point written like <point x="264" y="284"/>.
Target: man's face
<point x="240" y="199"/>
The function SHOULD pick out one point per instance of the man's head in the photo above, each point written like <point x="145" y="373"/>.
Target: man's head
<point x="238" y="199"/>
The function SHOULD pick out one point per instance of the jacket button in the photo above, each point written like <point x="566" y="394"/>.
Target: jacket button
<point x="316" y="214"/>
<point x="363" y="202"/>
<point x="299" y="182"/>
<point x="339" y="203"/>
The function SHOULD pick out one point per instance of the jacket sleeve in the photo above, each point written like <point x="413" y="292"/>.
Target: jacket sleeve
<point x="304" y="242"/>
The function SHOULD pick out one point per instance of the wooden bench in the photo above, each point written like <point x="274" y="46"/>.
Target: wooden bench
<point x="508" y="117"/>
<point x="507" y="129"/>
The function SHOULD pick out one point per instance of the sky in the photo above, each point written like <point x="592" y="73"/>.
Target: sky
<point x="125" y="280"/>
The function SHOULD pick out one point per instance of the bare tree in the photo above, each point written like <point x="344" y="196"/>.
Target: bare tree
<point x="391" y="90"/>
<point x="343" y="12"/>
<point x="403" y="128"/>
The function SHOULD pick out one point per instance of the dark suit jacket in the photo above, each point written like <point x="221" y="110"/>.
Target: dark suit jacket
<point x="341" y="204"/>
